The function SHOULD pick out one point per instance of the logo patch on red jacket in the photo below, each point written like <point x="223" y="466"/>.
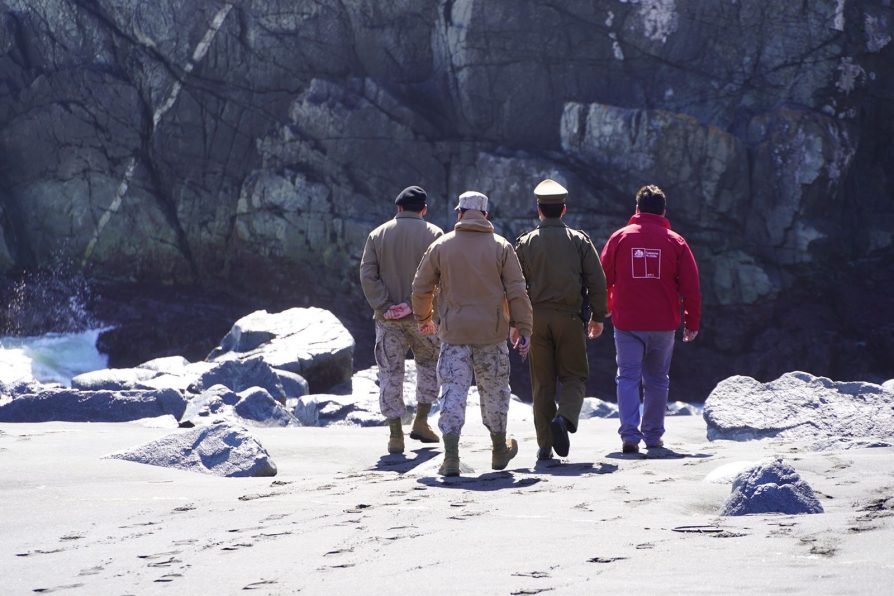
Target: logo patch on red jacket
<point x="646" y="263"/>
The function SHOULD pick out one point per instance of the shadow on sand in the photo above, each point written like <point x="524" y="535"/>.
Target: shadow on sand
<point x="485" y="482"/>
<point x="402" y="464"/>
<point x="658" y="453"/>
<point x="555" y="467"/>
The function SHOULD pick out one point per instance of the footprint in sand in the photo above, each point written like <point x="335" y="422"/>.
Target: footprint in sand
<point x="57" y="588"/>
<point x="260" y="584"/>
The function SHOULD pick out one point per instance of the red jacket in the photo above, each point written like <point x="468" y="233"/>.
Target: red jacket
<point x="649" y="271"/>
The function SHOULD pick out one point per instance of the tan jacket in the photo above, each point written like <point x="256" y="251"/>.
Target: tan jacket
<point x="482" y="289"/>
<point x="557" y="262"/>
<point x="390" y="258"/>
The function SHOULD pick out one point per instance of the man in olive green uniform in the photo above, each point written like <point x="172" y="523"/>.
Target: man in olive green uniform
<point x="389" y="261"/>
<point x="482" y="294"/>
<point x="558" y="262"/>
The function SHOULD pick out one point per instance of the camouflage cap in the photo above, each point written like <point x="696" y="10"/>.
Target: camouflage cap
<point x="550" y="192"/>
<point x="472" y="200"/>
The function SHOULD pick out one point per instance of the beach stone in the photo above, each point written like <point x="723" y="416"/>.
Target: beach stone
<point x="310" y="342"/>
<point x="113" y="379"/>
<point x="594" y="407"/>
<point x="681" y="408"/>
<point x="258" y="405"/>
<point x="239" y="375"/>
<point x="72" y="405"/>
<point x="175" y="365"/>
<point x="223" y="449"/>
<point x="209" y="402"/>
<point x="888" y="385"/>
<point x="293" y="384"/>
<point x="773" y="487"/>
<point x="816" y="412"/>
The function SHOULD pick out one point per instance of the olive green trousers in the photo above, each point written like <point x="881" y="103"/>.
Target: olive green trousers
<point x="558" y="361"/>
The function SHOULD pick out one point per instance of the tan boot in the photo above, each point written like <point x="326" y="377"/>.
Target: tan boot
<point x="396" y="442"/>
<point x="450" y="467"/>
<point x="504" y="450"/>
<point x="421" y="430"/>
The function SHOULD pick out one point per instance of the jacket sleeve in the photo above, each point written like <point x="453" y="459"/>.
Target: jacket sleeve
<point x="689" y="288"/>
<point x="608" y="269"/>
<point x="425" y="282"/>
<point x="594" y="280"/>
<point x="370" y="280"/>
<point x="521" y="314"/>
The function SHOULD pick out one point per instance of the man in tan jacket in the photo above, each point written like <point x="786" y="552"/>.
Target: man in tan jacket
<point x="482" y="294"/>
<point x="389" y="261"/>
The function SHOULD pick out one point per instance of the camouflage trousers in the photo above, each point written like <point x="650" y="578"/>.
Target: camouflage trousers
<point x="490" y="366"/>
<point x="393" y="339"/>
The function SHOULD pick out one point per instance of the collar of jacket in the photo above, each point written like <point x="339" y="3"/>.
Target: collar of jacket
<point x="408" y="214"/>
<point x="649" y="219"/>
<point x="554" y="222"/>
<point x="474" y="221"/>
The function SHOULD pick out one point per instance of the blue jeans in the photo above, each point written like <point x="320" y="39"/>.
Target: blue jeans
<point x="643" y="357"/>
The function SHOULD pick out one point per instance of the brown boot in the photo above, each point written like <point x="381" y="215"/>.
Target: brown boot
<point x="396" y="442"/>
<point x="504" y="450"/>
<point x="450" y="467"/>
<point x="421" y="430"/>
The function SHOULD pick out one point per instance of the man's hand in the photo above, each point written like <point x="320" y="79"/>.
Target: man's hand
<point x="428" y="328"/>
<point x="594" y="329"/>
<point x="398" y="311"/>
<point x="513" y="336"/>
<point x="522" y="344"/>
<point x="689" y="335"/>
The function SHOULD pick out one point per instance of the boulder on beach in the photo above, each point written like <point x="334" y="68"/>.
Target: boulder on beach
<point x="220" y="449"/>
<point x="813" y="411"/>
<point x="239" y="375"/>
<point x="773" y="487"/>
<point x="113" y="379"/>
<point x="253" y="406"/>
<point x="72" y="405"/>
<point x="310" y="342"/>
<point x="256" y="404"/>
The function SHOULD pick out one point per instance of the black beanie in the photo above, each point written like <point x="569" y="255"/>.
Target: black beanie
<point x="409" y="195"/>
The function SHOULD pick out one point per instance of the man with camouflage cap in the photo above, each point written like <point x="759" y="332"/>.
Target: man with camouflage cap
<point x="482" y="294"/>
<point x="558" y="263"/>
<point x="389" y="261"/>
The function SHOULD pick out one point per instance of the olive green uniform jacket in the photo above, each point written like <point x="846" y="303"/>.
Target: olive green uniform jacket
<point x="482" y="289"/>
<point x="557" y="262"/>
<point x="390" y="258"/>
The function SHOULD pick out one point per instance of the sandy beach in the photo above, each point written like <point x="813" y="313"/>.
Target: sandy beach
<point x="341" y="517"/>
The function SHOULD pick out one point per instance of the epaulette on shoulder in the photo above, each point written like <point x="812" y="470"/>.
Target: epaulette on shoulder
<point x="520" y="236"/>
<point x="587" y="236"/>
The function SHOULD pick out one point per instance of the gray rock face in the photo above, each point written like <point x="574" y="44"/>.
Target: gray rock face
<point x="310" y="342"/>
<point x="774" y="487"/>
<point x="814" y="411"/>
<point x="92" y="406"/>
<point x="219" y="449"/>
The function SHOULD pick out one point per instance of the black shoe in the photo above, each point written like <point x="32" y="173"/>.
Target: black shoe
<point x="656" y="445"/>
<point x="559" y="428"/>
<point x="544" y="454"/>
<point x="629" y="447"/>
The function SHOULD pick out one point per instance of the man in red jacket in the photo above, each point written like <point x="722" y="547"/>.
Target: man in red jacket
<point x="650" y="272"/>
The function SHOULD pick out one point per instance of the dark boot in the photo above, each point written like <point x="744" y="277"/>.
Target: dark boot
<point x="504" y="450"/>
<point x="396" y="442"/>
<point x="450" y="467"/>
<point x="421" y="430"/>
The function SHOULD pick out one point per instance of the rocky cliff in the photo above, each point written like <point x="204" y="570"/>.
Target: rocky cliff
<point x="253" y="144"/>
